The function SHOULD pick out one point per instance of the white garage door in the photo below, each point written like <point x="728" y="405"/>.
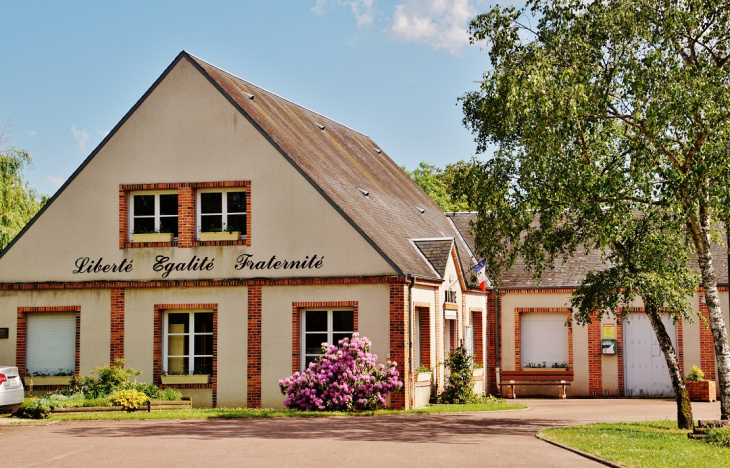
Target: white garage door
<point x="645" y="368"/>
<point x="543" y="338"/>
<point x="51" y="342"/>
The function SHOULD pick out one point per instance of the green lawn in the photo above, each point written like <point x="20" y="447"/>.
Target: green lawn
<point x="641" y="444"/>
<point x="273" y="413"/>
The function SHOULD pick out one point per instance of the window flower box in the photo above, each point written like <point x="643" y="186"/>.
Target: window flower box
<point x="479" y="372"/>
<point x="48" y="380"/>
<point x="185" y="379"/>
<point x="153" y="237"/>
<point x="220" y="236"/>
<point x="423" y="377"/>
<point x="704" y="390"/>
<point x="545" y="369"/>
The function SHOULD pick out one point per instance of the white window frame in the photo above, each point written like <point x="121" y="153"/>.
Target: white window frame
<point x="157" y="216"/>
<point x="191" y="337"/>
<point x="224" y="206"/>
<point x="330" y="332"/>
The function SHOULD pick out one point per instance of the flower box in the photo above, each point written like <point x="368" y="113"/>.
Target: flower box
<point x="545" y="369"/>
<point x="477" y="372"/>
<point x="423" y="377"/>
<point x="220" y="236"/>
<point x="49" y="380"/>
<point x="703" y="390"/>
<point x="185" y="379"/>
<point x="153" y="237"/>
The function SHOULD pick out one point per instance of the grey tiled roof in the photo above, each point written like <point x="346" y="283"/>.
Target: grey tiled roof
<point x="573" y="270"/>
<point x="437" y="252"/>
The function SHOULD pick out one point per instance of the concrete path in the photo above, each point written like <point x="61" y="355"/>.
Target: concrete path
<point x="501" y="439"/>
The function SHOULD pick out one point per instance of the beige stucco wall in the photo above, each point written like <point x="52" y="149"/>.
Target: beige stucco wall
<point x="276" y="339"/>
<point x="186" y="131"/>
<point x="95" y="319"/>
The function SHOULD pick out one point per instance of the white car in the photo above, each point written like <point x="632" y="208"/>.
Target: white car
<point x="11" y="390"/>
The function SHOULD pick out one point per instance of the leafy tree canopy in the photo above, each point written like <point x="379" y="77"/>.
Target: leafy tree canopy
<point x="604" y="110"/>
<point x="439" y="184"/>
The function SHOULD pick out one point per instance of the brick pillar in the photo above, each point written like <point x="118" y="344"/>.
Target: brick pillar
<point x="438" y="340"/>
<point x="707" y="345"/>
<point x="491" y="367"/>
<point x="398" y="343"/>
<point x="620" y="356"/>
<point x="116" y="350"/>
<point x="186" y="217"/>
<point x="595" y="369"/>
<point x="253" y="397"/>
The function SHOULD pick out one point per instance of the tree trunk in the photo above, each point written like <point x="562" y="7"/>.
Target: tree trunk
<point x="700" y="232"/>
<point x="684" y="407"/>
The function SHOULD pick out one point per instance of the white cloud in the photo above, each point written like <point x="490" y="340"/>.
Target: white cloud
<point x="81" y="136"/>
<point x="103" y="133"/>
<point x="442" y="24"/>
<point x="32" y="133"/>
<point x="56" y="181"/>
<point x="363" y="10"/>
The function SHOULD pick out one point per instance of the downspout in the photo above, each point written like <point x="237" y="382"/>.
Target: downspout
<point x="410" y="341"/>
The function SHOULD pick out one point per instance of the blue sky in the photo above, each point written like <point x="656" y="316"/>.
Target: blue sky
<point x="390" y="69"/>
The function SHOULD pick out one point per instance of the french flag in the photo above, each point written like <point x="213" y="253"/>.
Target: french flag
<point x="478" y="269"/>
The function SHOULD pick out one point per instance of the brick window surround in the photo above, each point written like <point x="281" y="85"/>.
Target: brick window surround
<point x="160" y="309"/>
<point x="187" y="216"/>
<point x="424" y="310"/>
<point x="520" y="311"/>
<point x="296" y="323"/>
<point x="22" y="334"/>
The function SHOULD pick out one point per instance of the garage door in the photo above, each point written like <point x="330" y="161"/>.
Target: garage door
<point x="543" y="339"/>
<point x="645" y="368"/>
<point x="51" y="342"/>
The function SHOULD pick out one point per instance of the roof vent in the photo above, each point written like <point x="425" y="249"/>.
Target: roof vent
<point x="321" y="127"/>
<point x="421" y="210"/>
<point x="250" y="96"/>
<point x="364" y="192"/>
<point x="378" y="150"/>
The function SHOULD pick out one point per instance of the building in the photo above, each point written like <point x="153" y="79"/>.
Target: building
<point x="325" y="236"/>
<point x="609" y="358"/>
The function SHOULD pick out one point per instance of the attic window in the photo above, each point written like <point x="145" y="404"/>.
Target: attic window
<point x="421" y="210"/>
<point x="250" y="96"/>
<point x="321" y="127"/>
<point x="364" y="192"/>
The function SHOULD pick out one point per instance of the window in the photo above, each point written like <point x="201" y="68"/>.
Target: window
<point x="51" y="343"/>
<point x="154" y="212"/>
<point x="188" y="345"/>
<point x="221" y="210"/>
<point x="324" y="326"/>
<point x="544" y="339"/>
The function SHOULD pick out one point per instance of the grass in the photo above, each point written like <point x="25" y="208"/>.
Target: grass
<point x="234" y="413"/>
<point x="647" y="444"/>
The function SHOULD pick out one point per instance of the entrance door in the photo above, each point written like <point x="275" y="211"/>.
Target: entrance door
<point x="645" y="368"/>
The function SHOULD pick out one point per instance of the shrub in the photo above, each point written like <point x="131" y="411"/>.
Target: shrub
<point x="460" y="388"/>
<point x="35" y="408"/>
<point x="108" y="380"/>
<point x="130" y="400"/>
<point x="695" y="374"/>
<point x="168" y="394"/>
<point x="346" y="378"/>
<point x="718" y="436"/>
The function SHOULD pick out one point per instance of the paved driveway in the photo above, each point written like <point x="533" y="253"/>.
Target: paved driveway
<point x="502" y="439"/>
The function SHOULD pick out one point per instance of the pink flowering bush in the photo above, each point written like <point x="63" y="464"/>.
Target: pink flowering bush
<point x="346" y="378"/>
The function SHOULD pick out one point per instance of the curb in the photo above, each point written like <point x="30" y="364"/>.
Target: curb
<point x="580" y="452"/>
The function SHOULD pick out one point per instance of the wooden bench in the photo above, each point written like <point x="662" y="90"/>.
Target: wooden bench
<point x="560" y="378"/>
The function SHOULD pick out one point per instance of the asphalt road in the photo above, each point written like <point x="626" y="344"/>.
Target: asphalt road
<point x="499" y="439"/>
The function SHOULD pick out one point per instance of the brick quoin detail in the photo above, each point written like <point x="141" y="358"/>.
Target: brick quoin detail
<point x="707" y="344"/>
<point x="518" y="338"/>
<point x="491" y="367"/>
<point x="22" y="336"/>
<point x="187" y="217"/>
<point x="253" y="385"/>
<point x="157" y="347"/>
<point x="477" y="323"/>
<point x="425" y="331"/>
<point x="398" y="348"/>
<point x="296" y="331"/>
<point x="595" y="357"/>
<point x="620" y="357"/>
<point x="116" y="348"/>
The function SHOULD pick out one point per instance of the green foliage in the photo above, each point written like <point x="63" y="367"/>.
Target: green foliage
<point x="695" y="374"/>
<point x="460" y="388"/>
<point x="18" y="201"/>
<point x="719" y="437"/>
<point x="130" y="400"/>
<point x="422" y="368"/>
<point x="108" y="379"/>
<point x="439" y="184"/>
<point x="35" y="408"/>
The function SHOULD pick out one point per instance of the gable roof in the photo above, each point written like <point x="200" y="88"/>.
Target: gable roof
<point x="348" y="169"/>
<point x="436" y="251"/>
<point x="570" y="272"/>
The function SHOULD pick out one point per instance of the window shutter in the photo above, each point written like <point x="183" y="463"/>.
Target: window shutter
<point x="51" y="342"/>
<point x="544" y="338"/>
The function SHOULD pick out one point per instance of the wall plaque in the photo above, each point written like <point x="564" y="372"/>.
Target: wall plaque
<point x="4" y="334"/>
